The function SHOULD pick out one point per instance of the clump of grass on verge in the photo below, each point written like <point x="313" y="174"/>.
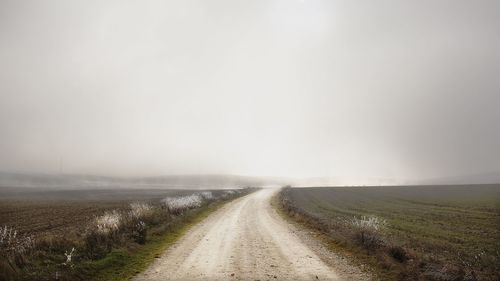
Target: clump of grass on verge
<point x="141" y="211"/>
<point x="14" y="249"/>
<point x="207" y="195"/>
<point x="13" y="242"/>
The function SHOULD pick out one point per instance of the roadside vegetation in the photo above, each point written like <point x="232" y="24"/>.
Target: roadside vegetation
<point x="407" y="233"/>
<point x="96" y="240"/>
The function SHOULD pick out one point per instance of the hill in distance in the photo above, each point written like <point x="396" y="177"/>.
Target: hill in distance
<point x="60" y="182"/>
<point x="19" y="180"/>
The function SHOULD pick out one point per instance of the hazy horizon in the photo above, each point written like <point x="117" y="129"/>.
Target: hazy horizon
<point x="296" y="89"/>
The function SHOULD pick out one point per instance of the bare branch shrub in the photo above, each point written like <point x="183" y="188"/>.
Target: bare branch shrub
<point x="228" y="193"/>
<point x="14" y="249"/>
<point x="69" y="257"/>
<point x="141" y="211"/>
<point x="368" y="231"/>
<point x="102" y="232"/>
<point x="207" y="195"/>
<point x="178" y="205"/>
<point x="140" y="232"/>
<point x="109" y="222"/>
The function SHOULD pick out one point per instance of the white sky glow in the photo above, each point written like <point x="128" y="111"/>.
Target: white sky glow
<point x="278" y="88"/>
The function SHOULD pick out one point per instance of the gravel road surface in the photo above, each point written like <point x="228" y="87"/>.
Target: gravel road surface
<point x="244" y="240"/>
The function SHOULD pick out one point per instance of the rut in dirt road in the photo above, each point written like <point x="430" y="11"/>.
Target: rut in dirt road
<point x="244" y="240"/>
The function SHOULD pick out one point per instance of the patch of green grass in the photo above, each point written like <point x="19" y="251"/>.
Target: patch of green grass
<point x="446" y="231"/>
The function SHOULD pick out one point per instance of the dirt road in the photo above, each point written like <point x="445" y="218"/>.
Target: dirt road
<point x="244" y="240"/>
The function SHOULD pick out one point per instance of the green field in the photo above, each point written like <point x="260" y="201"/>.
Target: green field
<point x="430" y="232"/>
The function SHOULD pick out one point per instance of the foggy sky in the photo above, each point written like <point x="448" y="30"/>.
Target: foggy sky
<point x="393" y="89"/>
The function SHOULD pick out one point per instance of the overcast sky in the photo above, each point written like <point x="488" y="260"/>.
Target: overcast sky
<point x="393" y="89"/>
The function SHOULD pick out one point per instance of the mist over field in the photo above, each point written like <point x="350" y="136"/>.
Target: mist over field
<point x="250" y="140"/>
<point x="349" y="92"/>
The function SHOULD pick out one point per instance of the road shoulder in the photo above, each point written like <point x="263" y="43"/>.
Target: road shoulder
<point x="318" y="243"/>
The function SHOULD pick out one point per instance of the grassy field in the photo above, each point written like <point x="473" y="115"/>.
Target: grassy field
<point x="410" y="232"/>
<point x="115" y="233"/>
